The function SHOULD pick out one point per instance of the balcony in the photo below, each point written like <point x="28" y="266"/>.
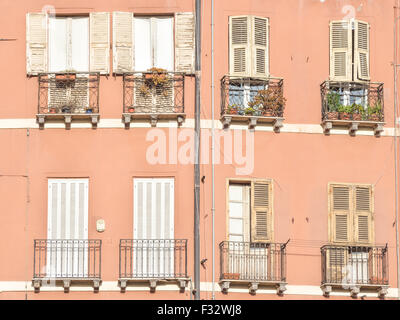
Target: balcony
<point x="153" y="261"/>
<point x="68" y="96"/>
<point x="153" y="96"/>
<point x="353" y="268"/>
<point x="352" y="105"/>
<point x="253" y="264"/>
<point x="66" y="261"/>
<point x="252" y="101"/>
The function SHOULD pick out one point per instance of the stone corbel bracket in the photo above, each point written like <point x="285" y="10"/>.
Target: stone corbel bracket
<point x="280" y="289"/>
<point x="354" y="291"/>
<point x="253" y="287"/>
<point x="326" y="290"/>
<point x="225" y="286"/>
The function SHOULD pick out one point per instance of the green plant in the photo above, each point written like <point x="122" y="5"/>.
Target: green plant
<point x="333" y="101"/>
<point x="249" y="110"/>
<point x="375" y="111"/>
<point x="345" y="109"/>
<point x="269" y="99"/>
<point x="232" y="108"/>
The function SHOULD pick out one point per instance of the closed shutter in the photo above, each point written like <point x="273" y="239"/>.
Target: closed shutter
<point x="240" y="45"/>
<point x="339" y="204"/>
<point x="184" y="42"/>
<point x="363" y="214"/>
<point x="36" y="43"/>
<point x="100" y="42"/>
<point x="123" y="42"/>
<point x="361" y="52"/>
<point x="261" y="211"/>
<point x="340" y="51"/>
<point x="260" y="48"/>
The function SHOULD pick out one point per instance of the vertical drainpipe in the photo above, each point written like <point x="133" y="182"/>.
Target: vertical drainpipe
<point x="197" y="152"/>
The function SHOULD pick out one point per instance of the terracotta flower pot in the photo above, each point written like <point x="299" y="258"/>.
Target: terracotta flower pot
<point x="374" y="117"/>
<point x="65" y="77"/>
<point x="344" y="116"/>
<point x="357" y="116"/>
<point x="268" y="113"/>
<point x="131" y="109"/>
<point x="332" y="115"/>
<point x="52" y="110"/>
<point x="231" y="276"/>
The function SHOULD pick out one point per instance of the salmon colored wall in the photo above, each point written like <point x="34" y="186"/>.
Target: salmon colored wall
<point x="300" y="164"/>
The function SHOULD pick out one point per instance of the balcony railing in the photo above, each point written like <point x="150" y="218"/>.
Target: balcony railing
<point x="252" y="262"/>
<point x="354" y="265"/>
<point x="252" y="97"/>
<point x="355" y="103"/>
<point x="152" y="259"/>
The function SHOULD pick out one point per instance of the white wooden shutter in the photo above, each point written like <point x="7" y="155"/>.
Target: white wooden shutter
<point x="340" y="206"/>
<point x="260" y="47"/>
<point x="363" y="224"/>
<point x="100" y="42"/>
<point x="340" y="50"/>
<point x="361" y="51"/>
<point x="261" y="211"/>
<point x="123" y="42"/>
<point x="240" y="45"/>
<point x="36" y="43"/>
<point x="184" y="42"/>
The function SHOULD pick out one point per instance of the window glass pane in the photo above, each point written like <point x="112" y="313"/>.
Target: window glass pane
<point x="164" y="43"/>
<point x="236" y="95"/>
<point x="235" y="210"/>
<point x="143" y="51"/>
<point x="236" y="226"/>
<point x="235" y="192"/>
<point x="80" y="44"/>
<point x="57" y="44"/>
<point x="236" y="238"/>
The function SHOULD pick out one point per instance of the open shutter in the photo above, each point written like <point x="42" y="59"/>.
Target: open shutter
<point x="361" y="52"/>
<point x="36" y="43"/>
<point x="261" y="211"/>
<point x="339" y="206"/>
<point x="239" y="45"/>
<point x="100" y="42"/>
<point x="260" y="48"/>
<point x="340" y="51"/>
<point x="363" y="214"/>
<point x="184" y="42"/>
<point x="123" y="42"/>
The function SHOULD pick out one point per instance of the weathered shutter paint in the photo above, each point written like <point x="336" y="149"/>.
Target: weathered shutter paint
<point x="261" y="211"/>
<point x="260" y="48"/>
<point x="361" y="51"/>
<point x="239" y="45"/>
<point x="184" y="42"/>
<point x="123" y="42"/>
<point x="340" y="50"/>
<point x="100" y="42"/>
<point x="363" y="214"/>
<point x="36" y="43"/>
<point x="340" y="203"/>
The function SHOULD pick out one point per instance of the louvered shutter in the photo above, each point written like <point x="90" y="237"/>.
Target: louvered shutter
<point x="260" y="48"/>
<point x="340" y="206"/>
<point x="36" y="43"/>
<point x="261" y="211"/>
<point x="184" y="42"/>
<point x="240" y="45"/>
<point x="340" y="51"/>
<point x="100" y="42"/>
<point x="123" y="42"/>
<point x="361" y="51"/>
<point x="363" y="214"/>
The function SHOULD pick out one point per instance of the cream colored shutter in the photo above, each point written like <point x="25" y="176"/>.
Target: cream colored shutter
<point x="261" y="211"/>
<point x="123" y="42"/>
<point x="239" y="45"/>
<point x="361" y="52"/>
<point x="36" y="43"/>
<point x="100" y="42"/>
<point x="340" y="51"/>
<point x="363" y="223"/>
<point x="260" y="48"/>
<point x="184" y="42"/>
<point x="339" y="211"/>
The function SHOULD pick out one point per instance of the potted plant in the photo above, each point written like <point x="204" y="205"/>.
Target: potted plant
<point x="249" y="111"/>
<point x="269" y="101"/>
<point x="53" y="110"/>
<point x="69" y="75"/>
<point x="89" y="110"/>
<point x="231" y="276"/>
<point x="232" y="109"/>
<point x="375" y="113"/>
<point x="333" y="104"/>
<point x="131" y="109"/>
<point x="357" y="111"/>
<point x="345" y="112"/>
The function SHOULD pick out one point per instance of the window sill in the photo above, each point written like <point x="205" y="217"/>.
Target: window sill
<point x="253" y="285"/>
<point x="127" y="118"/>
<point x="181" y="282"/>
<point x="276" y="122"/>
<point x="67" y="118"/>
<point x="353" y="126"/>
<point x="66" y="282"/>
<point x="354" y="289"/>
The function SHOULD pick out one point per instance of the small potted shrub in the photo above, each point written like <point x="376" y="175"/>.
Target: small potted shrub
<point x="345" y="112"/>
<point x="232" y="109"/>
<point x="375" y="113"/>
<point x="249" y="111"/>
<point x="333" y="104"/>
<point x="357" y="111"/>
<point x="270" y="101"/>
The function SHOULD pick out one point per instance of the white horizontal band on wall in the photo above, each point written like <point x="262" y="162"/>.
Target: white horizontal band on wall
<point x="188" y="123"/>
<point x="112" y="286"/>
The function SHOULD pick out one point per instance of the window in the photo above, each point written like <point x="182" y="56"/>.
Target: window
<point x="250" y="211"/>
<point x="58" y="44"/>
<point x="69" y="44"/>
<point x="349" y="50"/>
<point x="143" y="42"/>
<point x="351" y="214"/>
<point x="248" y="46"/>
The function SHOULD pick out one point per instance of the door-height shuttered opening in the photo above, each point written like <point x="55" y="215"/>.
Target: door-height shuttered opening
<point x="184" y="42"/>
<point x="123" y="42"/>
<point x="261" y="211"/>
<point x="340" y="210"/>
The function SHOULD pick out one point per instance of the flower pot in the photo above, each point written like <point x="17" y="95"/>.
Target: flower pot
<point x="131" y="109"/>
<point x="344" y="116"/>
<point x="357" y="116"/>
<point x="66" y="109"/>
<point x="90" y="110"/>
<point x="231" y="276"/>
<point x="232" y="112"/>
<point x="52" y="110"/>
<point x="65" y="77"/>
<point x="332" y="115"/>
<point x="374" y="117"/>
<point x="378" y="280"/>
<point x="268" y="113"/>
<point x="241" y="112"/>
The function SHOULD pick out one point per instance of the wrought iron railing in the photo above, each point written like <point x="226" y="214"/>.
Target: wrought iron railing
<point x="67" y="259"/>
<point x="68" y="93"/>
<point x="154" y="93"/>
<point x="352" y="101"/>
<point x="259" y="262"/>
<point x="153" y="259"/>
<point x="354" y="265"/>
<point x="252" y="96"/>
